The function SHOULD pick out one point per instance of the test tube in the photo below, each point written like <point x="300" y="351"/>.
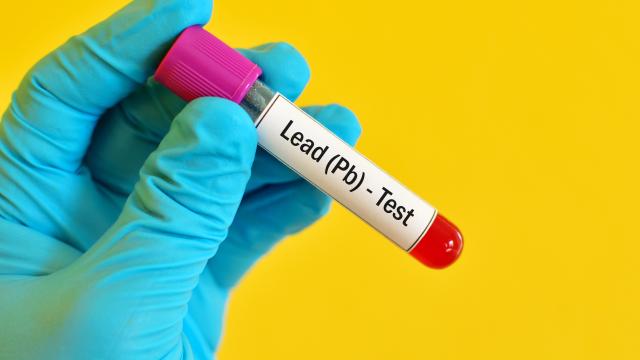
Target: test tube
<point x="200" y="65"/>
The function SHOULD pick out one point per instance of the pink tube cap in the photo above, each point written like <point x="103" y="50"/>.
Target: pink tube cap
<point x="199" y="64"/>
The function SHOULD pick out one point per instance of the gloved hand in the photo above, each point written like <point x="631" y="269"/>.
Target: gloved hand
<point x="126" y="216"/>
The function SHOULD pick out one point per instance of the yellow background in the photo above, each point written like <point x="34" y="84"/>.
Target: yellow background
<point x="517" y="119"/>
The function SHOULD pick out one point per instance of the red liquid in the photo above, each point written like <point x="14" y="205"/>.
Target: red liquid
<point x="441" y="245"/>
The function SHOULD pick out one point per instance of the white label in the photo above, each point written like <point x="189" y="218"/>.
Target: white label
<point x="319" y="156"/>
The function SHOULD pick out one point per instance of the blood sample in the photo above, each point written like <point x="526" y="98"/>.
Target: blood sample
<point x="200" y="65"/>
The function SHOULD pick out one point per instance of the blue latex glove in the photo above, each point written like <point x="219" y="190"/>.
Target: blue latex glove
<point x="126" y="216"/>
